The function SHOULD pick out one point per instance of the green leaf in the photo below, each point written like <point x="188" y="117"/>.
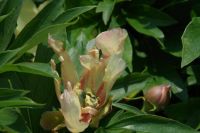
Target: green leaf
<point x="22" y="102"/>
<point x="7" y="27"/>
<point x="152" y="15"/>
<point x="129" y="85"/>
<point x="145" y="27"/>
<point x="6" y="93"/>
<point x="193" y="75"/>
<point x="128" y="53"/>
<point x="72" y="13"/>
<point x="119" y="116"/>
<point x="8" y="116"/>
<point x="41" y="90"/>
<point x="100" y="130"/>
<point x="106" y="7"/>
<point x="5" y="56"/>
<point x="32" y="68"/>
<point x="180" y="112"/>
<point x="128" y="108"/>
<point x="4" y="16"/>
<point x="27" y="12"/>
<point x="190" y="40"/>
<point x="152" y="124"/>
<point x="43" y="19"/>
<point x="61" y="22"/>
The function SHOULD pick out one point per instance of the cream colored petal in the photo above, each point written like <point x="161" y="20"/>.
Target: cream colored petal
<point x="87" y="61"/>
<point x="93" y="77"/>
<point x="68" y="71"/>
<point x="113" y="70"/>
<point x="57" y="81"/>
<point x="71" y="110"/>
<point x="111" y="41"/>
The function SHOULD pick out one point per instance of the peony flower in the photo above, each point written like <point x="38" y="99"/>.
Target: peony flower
<point x="86" y="99"/>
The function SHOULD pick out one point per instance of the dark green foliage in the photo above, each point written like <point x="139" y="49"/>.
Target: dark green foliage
<point x="163" y="47"/>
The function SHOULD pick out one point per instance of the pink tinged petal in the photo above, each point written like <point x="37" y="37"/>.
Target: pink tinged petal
<point x="101" y="94"/>
<point x="112" y="41"/>
<point x="86" y="117"/>
<point x="68" y="71"/>
<point x="88" y="113"/>
<point x="71" y="110"/>
<point x="84" y="79"/>
<point x="113" y="70"/>
<point x="94" y="72"/>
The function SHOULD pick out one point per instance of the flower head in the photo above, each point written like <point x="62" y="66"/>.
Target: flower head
<point x="158" y="95"/>
<point x="86" y="99"/>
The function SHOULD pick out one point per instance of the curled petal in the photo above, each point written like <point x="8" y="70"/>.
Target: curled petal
<point x="112" y="41"/>
<point x="94" y="53"/>
<point x="71" y="110"/>
<point x="68" y="71"/>
<point x="113" y="70"/>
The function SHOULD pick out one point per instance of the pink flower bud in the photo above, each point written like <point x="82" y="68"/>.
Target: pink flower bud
<point x="158" y="95"/>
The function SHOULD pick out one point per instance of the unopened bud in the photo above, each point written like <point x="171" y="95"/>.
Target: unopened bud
<point x="51" y="119"/>
<point x="158" y="95"/>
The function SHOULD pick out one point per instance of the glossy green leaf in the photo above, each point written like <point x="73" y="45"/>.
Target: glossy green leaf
<point x="27" y="12"/>
<point x="43" y="19"/>
<point x="152" y="124"/>
<point x="22" y="102"/>
<point x="144" y="27"/>
<point x="32" y="68"/>
<point x="8" y="116"/>
<point x="128" y="108"/>
<point x="72" y="13"/>
<point x="7" y="27"/>
<point x="106" y="7"/>
<point x="6" y="93"/>
<point x="190" y="40"/>
<point x="61" y="22"/>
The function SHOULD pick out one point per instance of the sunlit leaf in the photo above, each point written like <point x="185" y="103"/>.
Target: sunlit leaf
<point x="106" y="7"/>
<point x="32" y="68"/>
<point x="6" y="93"/>
<point x="190" y="40"/>
<point x="22" y="102"/>
<point x="152" y="124"/>
<point x="145" y="27"/>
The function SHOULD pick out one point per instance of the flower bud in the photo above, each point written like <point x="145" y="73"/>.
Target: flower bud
<point x="158" y="95"/>
<point x="51" y="119"/>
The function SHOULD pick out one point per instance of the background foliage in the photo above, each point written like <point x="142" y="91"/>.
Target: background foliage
<point x="162" y="48"/>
